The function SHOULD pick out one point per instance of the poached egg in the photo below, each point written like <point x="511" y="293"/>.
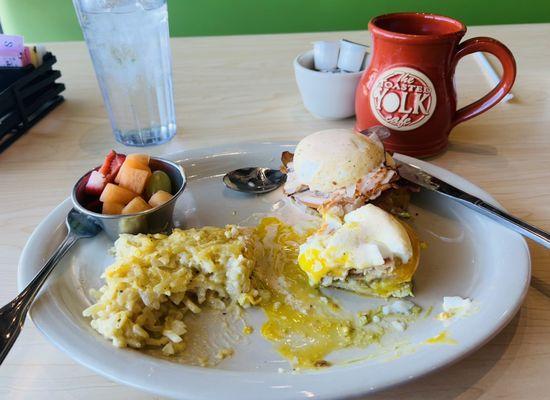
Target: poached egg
<point x="335" y="158"/>
<point x="338" y="167"/>
<point x="367" y="245"/>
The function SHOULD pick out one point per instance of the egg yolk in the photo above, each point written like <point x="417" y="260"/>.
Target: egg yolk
<point x="304" y="325"/>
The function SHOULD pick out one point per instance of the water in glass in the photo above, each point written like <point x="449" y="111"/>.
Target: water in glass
<point x="129" y="45"/>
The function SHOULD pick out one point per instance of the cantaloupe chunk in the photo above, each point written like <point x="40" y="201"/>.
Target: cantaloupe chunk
<point x="159" y="198"/>
<point x="135" y="206"/>
<point x="137" y="159"/>
<point x="116" y="194"/>
<point x="130" y="165"/>
<point x="133" y="179"/>
<point x="112" y="208"/>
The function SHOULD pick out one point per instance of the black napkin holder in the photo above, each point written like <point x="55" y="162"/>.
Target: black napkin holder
<point x="26" y="95"/>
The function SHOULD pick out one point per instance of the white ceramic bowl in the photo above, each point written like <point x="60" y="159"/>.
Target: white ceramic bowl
<point x="325" y="95"/>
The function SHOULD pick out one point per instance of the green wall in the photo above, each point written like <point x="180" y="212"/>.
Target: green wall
<point x="52" y="20"/>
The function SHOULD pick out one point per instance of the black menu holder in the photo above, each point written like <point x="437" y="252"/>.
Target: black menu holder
<point x="26" y="95"/>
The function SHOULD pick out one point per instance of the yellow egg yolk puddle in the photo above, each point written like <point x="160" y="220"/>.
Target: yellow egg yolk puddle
<point x="304" y="324"/>
<point x="441" y="338"/>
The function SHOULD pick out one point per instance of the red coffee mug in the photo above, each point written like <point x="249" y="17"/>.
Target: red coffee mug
<point x="408" y="86"/>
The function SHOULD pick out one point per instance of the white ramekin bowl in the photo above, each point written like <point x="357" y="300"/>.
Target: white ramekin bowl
<point x="325" y="95"/>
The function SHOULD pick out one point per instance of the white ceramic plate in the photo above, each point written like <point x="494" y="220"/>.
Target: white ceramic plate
<point x="467" y="255"/>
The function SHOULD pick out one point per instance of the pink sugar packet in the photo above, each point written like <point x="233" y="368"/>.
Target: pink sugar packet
<point x="12" y="51"/>
<point x="11" y="58"/>
<point x="11" y="42"/>
<point x="26" y="56"/>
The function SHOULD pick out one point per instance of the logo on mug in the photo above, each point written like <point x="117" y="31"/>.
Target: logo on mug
<point x="402" y="98"/>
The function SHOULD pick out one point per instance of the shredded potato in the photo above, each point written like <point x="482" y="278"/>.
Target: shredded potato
<point x="157" y="279"/>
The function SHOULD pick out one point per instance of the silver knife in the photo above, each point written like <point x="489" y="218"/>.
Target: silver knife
<point x="416" y="175"/>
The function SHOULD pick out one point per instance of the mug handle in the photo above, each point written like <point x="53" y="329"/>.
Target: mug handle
<point x="508" y="62"/>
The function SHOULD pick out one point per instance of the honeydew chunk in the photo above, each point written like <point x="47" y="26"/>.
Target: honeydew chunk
<point x="159" y="198"/>
<point x="159" y="180"/>
<point x="112" y="208"/>
<point x="136" y="205"/>
<point x="116" y="194"/>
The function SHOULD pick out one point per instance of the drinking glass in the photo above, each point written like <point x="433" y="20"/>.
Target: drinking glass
<point x="128" y="41"/>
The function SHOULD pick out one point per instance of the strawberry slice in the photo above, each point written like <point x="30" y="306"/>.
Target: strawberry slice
<point x="106" y="167"/>
<point x="96" y="183"/>
<point x="94" y="206"/>
<point x="116" y="163"/>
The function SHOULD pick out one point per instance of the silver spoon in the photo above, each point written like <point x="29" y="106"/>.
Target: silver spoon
<point x="12" y="315"/>
<point x="254" y="180"/>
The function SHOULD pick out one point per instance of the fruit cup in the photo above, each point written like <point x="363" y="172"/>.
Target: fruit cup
<point x="155" y="220"/>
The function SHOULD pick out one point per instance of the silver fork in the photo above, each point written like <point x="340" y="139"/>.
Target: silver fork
<point x="12" y="315"/>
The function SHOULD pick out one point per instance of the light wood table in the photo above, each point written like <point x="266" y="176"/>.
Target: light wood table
<point x="230" y="88"/>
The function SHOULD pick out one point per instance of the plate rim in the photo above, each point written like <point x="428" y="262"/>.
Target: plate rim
<point x="228" y="149"/>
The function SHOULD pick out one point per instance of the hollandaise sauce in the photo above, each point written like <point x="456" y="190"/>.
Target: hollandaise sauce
<point x="302" y="322"/>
